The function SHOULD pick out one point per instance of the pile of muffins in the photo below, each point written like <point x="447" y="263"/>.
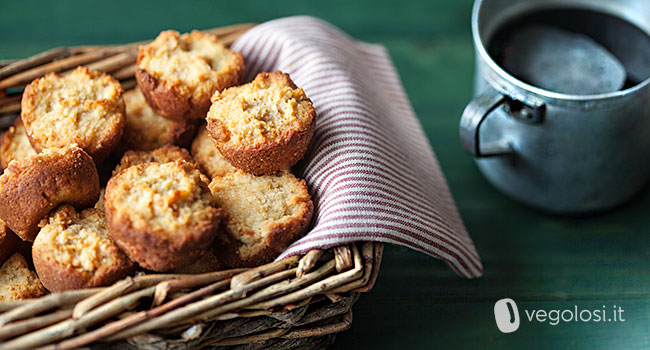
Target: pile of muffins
<point x="97" y="183"/>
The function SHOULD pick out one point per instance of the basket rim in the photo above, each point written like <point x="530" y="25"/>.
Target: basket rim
<point x="64" y="319"/>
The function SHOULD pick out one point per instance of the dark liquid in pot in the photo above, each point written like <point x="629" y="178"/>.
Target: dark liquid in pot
<point x="628" y="43"/>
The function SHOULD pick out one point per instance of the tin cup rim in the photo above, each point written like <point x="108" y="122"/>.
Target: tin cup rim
<point x="510" y="85"/>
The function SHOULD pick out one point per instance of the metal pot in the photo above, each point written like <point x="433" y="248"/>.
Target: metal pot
<point x="562" y="153"/>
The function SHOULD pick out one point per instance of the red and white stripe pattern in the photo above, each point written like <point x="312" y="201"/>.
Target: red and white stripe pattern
<point x="371" y="171"/>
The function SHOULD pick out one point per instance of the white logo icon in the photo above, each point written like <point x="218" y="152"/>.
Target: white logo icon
<point x="506" y="315"/>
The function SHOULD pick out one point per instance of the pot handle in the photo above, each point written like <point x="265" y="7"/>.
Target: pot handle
<point x="470" y="123"/>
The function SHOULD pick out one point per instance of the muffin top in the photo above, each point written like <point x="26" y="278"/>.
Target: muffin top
<point x="269" y="109"/>
<point x="256" y="205"/>
<point x="163" y="154"/>
<point x="195" y="64"/>
<point x="79" y="240"/>
<point x="160" y="197"/>
<point x="84" y="107"/>
<point x="17" y="281"/>
<point x="69" y="155"/>
<point x="14" y="144"/>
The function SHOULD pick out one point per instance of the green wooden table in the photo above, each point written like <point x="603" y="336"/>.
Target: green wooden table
<point x="541" y="261"/>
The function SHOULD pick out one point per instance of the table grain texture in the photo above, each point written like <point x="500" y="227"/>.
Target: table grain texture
<point x="541" y="261"/>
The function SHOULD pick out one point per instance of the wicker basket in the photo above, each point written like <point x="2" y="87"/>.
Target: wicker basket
<point x="295" y="303"/>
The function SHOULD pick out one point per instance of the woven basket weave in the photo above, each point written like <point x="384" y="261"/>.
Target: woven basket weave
<point x="297" y="303"/>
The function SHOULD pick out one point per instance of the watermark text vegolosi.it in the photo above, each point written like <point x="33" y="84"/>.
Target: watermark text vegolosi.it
<point x="567" y="315"/>
<point x="506" y="315"/>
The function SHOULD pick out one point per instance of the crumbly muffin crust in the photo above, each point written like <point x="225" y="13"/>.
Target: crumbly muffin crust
<point x="264" y="214"/>
<point x="74" y="250"/>
<point x="178" y="73"/>
<point x="263" y="126"/>
<point x="14" y="144"/>
<point x="84" y="107"/>
<point x="17" y="281"/>
<point x="207" y="155"/>
<point x="163" y="154"/>
<point x="31" y="188"/>
<point x="161" y="214"/>
<point x="147" y="130"/>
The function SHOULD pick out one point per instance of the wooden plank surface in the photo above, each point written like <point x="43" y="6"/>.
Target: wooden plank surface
<point x="541" y="261"/>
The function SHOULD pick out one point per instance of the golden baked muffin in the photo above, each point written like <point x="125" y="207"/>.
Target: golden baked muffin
<point x="263" y="126"/>
<point x="164" y="154"/>
<point x="208" y="157"/>
<point x="147" y="130"/>
<point x="14" y="144"/>
<point x="84" y="108"/>
<point x="264" y="214"/>
<point x="161" y="214"/>
<point x="73" y="250"/>
<point x="8" y="242"/>
<point x="31" y="188"/>
<point x="178" y="73"/>
<point x="17" y="281"/>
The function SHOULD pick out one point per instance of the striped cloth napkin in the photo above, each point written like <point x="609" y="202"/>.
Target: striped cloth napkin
<point x="371" y="171"/>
